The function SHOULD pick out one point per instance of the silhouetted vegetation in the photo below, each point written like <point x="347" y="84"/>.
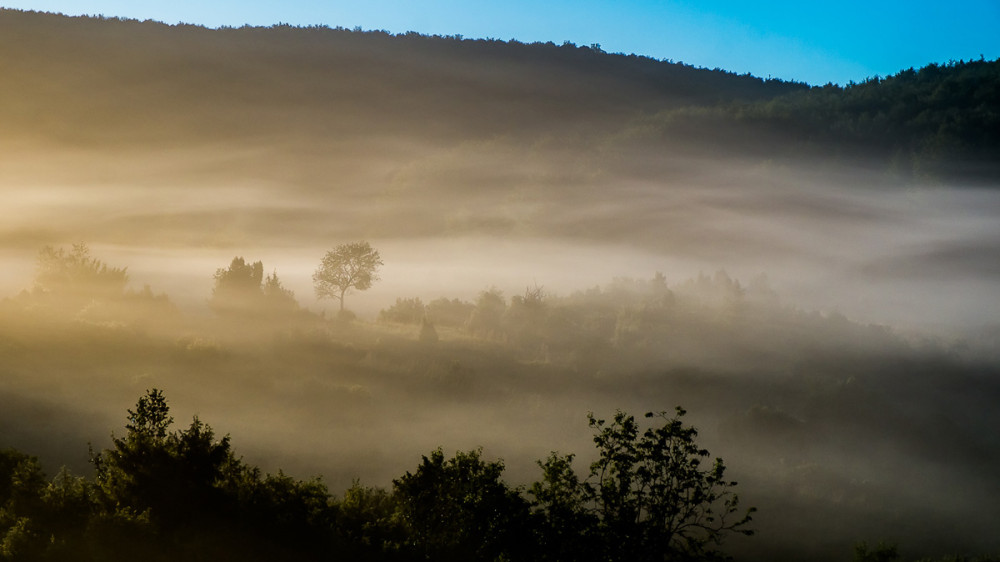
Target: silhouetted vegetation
<point x="646" y="498"/>
<point x="162" y="494"/>
<point x="73" y="285"/>
<point x="460" y="509"/>
<point x="159" y="494"/>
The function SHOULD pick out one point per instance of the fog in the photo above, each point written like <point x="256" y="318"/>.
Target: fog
<point x="363" y="400"/>
<point x="830" y="326"/>
<point x="910" y="256"/>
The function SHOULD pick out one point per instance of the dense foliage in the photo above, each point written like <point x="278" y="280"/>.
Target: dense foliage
<point x="242" y="290"/>
<point x="162" y="494"/>
<point x="940" y="121"/>
<point x="159" y="494"/>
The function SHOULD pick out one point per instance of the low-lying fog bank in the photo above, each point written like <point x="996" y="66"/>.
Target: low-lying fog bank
<point x="918" y="257"/>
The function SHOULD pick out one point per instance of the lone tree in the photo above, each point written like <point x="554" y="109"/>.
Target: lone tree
<point x="346" y="267"/>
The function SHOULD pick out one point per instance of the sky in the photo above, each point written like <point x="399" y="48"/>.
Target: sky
<point x="814" y="42"/>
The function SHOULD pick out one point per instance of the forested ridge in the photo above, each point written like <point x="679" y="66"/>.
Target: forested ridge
<point x="939" y="120"/>
<point x="156" y="81"/>
<point x="90" y="80"/>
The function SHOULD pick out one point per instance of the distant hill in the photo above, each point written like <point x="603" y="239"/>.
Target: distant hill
<point x="106" y="82"/>
<point x="942" y="120"/>
<point x="85" y="80"/>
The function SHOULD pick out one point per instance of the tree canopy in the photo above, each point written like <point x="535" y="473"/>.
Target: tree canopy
<point x="647" y="496"/>
<point x="460" y="509"/>
<point x="242" y="289"/>
<point x="348" y="266"/>
<point x="165" y="494"/>
<point x="75" y="273"/>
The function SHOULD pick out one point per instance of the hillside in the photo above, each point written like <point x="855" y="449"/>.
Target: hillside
<point x="939" y="121"/>
<point x="88" y="80"/>
<point x="106" y="82"/>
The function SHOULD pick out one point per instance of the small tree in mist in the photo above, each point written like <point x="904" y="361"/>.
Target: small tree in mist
<point x="236" y="285"/>
<point x="405" y="311"/>
<point x="487" y="315"/>
<point x="242" y="288"/>
<point x="454" y="313"/>
<point x="76" y="274"/>
<point x="276" y="297"/>
<point x="72" y="284"/>
<point x="524" y="321"/>
<point x="346" y="267"/>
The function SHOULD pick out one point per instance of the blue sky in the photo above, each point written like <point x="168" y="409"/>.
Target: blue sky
<point x="815" y="42"/>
